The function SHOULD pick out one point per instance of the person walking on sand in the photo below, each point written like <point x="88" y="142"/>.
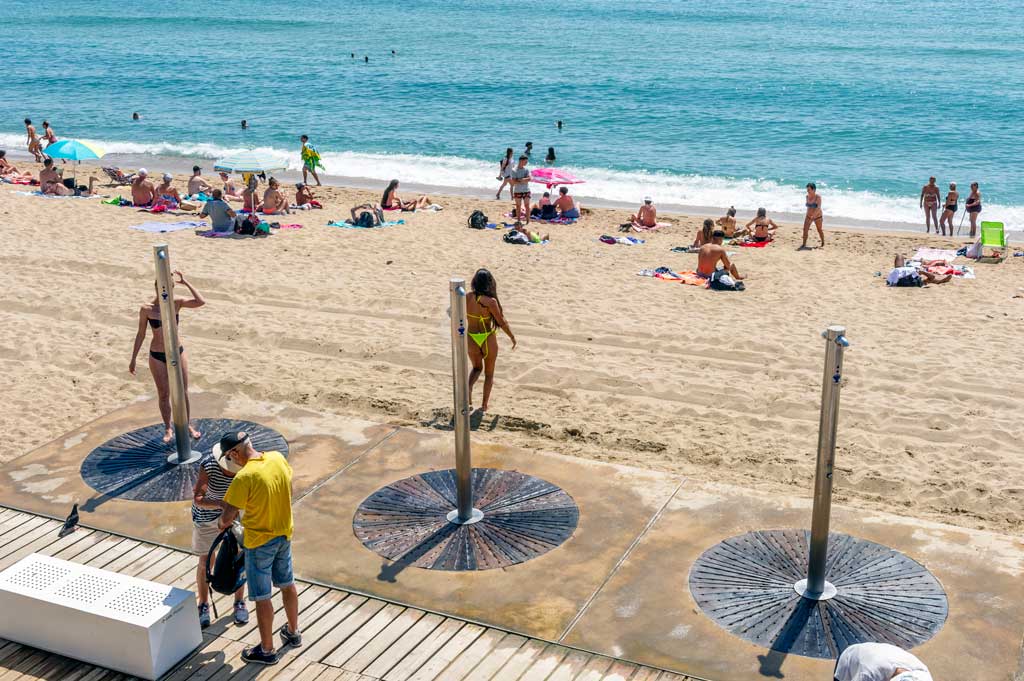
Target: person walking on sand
<point x="814" y="215"/>
<point x="32" y="139"/>
<point x="215" y="474"/>
<point x="485" y="316"/>
<point x="505" y="168"/>
<point x="520" y="179"/>
<point x="262" y="492"/>
<point x="973" y="207"/>
<point x="150" y="314"/>
<point x="949" y="209"/>
<point x="310" y="160"/>
<point x="930" y="203"/>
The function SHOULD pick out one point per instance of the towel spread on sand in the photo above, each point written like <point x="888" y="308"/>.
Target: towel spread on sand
<point x="943" y="254"/>
<point x="688" y="277"/>
<point x="160" y="227"/>
<point x="624" y="240"/>
<point x="963" y="271"/>
<point x="754" y="244"/>
<point x="210" y="234"/>
<point x="641" y="228"/>
<point x="389" y="223"/>
<point x="292" y="226"/>
<point x="54" y="196"/>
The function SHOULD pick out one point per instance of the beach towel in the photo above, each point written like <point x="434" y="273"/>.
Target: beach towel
<point x="54" y="196"/>
<point x="292" y="226"/>
<point x="754" y="244"/>
<point x="943" y="254"/>
<point x="555" y="221"/>
<point x="624" y="240"/>
<point x="161" y="227"/>
<point x="962" y="271"/>
<point x="687" y="277"/>
<point x="655" y="228"/>
<point x="389" y="223"/>
<point x="19" y="179"/>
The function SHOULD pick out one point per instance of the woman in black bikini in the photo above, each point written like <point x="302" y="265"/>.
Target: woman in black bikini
<point x="149" y="314"/>
<point x="814" y="214"/>
<point x="952" y="198"/>
<point x="974" y="207"/>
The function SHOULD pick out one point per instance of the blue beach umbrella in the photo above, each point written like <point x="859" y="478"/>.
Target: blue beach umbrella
<point x="247" y="162"/>
<point x="73" y="150"/>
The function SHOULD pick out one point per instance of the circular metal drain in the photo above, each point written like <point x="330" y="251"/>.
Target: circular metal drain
<point x="134" y="465"/>
<point x="745" y="584"/>
<point x="523" y="517"/>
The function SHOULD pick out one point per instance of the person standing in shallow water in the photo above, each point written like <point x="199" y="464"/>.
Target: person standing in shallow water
<point x="485" y="316"/>
<point x="930" y="203"/>
<point x="149" y="314"/>
<point x="814" y="215"/>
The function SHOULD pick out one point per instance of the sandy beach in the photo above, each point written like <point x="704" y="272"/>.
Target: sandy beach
<point x="610" y="365"/>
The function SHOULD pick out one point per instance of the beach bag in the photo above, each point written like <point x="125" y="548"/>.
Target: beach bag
<point x="910" y="280"/>
<point x="974" y="250"/>
<point x="514" y="237"/>
<point x="225" y="563"/>
<point x="365" y="219"/>
<point x="246" y="225"/>
<point x="548" y="212"/>
<point x="722" y="281"/>
<point x="478" y="220"/>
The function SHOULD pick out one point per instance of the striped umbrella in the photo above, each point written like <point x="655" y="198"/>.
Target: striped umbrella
<point x="73" y="150"/>
<point x="247" y="162"/>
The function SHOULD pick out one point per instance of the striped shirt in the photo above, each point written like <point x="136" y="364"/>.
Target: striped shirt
<point x="217" y="486"/>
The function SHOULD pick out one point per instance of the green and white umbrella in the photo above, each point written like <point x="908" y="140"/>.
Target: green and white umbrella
<point x="248" y="162"/>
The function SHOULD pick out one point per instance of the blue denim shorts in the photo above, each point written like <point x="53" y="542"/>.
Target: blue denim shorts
<point x="268" y="566"/>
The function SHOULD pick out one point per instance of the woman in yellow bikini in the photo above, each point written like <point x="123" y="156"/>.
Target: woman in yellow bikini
<point x="485" y="318"/>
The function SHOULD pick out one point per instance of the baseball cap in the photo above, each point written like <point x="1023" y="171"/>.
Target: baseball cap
<point x="168" y="177"/>
<point x="647" y="199"/>
<point x="228" y="441"/>
<point x="143" y="171"/>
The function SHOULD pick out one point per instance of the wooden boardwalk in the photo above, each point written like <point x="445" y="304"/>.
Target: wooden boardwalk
<point x="346" y="636"/>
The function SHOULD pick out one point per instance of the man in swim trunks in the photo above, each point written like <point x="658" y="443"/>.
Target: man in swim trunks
<point x="520" y="178"/>
<point x="566" y="205"/>
<point x="143" y="191"/>
<point x="713" y="253"/>
<point x="930" y="202"/>
<point x="197" y="184"/>
<point x="647" y="216"/>
<point x="310" y="160"/>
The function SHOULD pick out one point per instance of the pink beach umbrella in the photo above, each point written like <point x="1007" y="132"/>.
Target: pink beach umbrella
<point x="552" y="177"/>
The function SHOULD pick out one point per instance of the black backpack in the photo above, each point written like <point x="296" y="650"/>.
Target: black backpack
<point x="723" y="281"/>
<point x="225" y="569"/>
<point x="478" y="220"/>
<point x="246" y="225"/>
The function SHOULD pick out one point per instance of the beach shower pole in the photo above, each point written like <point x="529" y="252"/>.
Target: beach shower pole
<point x="815" y="587"/>
<point x="464" y="514"/>
<point x="175" y="378"/>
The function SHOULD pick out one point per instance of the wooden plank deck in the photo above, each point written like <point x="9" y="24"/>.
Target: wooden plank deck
<point x="346" y="636"/>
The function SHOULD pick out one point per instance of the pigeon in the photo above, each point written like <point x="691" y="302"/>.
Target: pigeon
<point x="71" y="523"/>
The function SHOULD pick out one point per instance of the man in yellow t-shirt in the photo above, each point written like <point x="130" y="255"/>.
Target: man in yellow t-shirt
<point x="262" y="490"/>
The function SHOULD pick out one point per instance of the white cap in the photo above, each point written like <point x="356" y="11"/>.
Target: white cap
<point x="143" y="171"/>
<point x="168" y="177"/>
<point x="647" y="199"/>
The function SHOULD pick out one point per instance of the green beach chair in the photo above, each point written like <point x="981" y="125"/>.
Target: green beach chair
<point x="994" y="236"/>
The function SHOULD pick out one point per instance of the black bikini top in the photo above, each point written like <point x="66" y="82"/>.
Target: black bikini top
<point x="155" y="323"/>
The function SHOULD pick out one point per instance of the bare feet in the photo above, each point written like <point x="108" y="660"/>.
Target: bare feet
<point x="194" y="433"/>
<point x="168" y="435"/>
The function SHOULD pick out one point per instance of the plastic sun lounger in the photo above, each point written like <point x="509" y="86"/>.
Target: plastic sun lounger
<point x="994" y="236"/>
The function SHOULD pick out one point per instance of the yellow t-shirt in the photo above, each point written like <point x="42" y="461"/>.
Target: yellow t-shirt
<point x="263" y="491"/>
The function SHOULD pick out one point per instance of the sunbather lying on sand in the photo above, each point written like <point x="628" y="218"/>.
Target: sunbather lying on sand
<point x="535" y="237"/>
<point x="373" y="209"/>
<point x="903" y="274"/>
<point x="54" y="188"/>
<point x="5" y="166"/>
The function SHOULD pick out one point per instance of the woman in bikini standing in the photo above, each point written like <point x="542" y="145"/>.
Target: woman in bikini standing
<point x="485" y="318"/>
<point x="149" y="314"/>
<point x="814" y="215"/>
<point x="949" y="209"/>
<point x="974" y="207"/>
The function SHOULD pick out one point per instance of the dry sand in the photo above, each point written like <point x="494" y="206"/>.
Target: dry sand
<point x="611" y="366"/>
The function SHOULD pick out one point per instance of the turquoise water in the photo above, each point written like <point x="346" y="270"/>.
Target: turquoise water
<point x="699" y="104"/>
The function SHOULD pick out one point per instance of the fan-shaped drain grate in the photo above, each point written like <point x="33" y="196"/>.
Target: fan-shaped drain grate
<point x="745" y="584"/>
<point x="524" y="517"/>
<point x="134" y="465"/>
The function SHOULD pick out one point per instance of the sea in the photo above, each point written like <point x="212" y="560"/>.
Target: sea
<point x="701" y="105"/>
